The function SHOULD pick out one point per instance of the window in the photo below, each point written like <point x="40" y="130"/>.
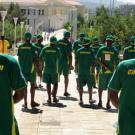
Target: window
<point x="61" y="11"/>
<point x="28" y="11"/>
<point x="34" y="13"/>
<point x="28" y="21"/>
<point x="43" y="12"/>
<point x="23" y="11"/>
<point x="39" y="12"/>
<point x="54" y="12"/>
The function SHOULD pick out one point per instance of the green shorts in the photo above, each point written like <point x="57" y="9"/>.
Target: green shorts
<point x="64" y="70"/>
<point x="94" y="79"/>
<point x="50" y="79"/>
<point x="86" y="80"/>
<point x="30" y="77"/>
<point x="104" y="79"/>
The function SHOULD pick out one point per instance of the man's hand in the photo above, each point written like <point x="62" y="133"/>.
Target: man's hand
<point x="114" y="98"/>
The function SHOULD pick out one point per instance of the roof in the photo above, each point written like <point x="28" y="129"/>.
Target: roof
<point x="45" y="2"/>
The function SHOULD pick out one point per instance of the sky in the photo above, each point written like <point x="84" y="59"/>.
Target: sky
<point x="133" y="1"/>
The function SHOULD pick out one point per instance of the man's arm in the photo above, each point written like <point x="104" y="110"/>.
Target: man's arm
<point x="70" y="61"/>
<point x="103" y="65"/>
<point x="114" y="98"/>
<point x="76" y="64"/>
<point x="19" y="95"/>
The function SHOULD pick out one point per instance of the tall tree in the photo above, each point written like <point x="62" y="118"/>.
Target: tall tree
<point x="15" y="11"/>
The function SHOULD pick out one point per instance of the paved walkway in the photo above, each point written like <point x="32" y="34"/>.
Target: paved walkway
<point x="66" y="117"/>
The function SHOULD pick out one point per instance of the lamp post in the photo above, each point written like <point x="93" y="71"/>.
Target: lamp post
<point x="3" y="14"/>
<point x="15" y="22"/>
<point x="26" y="28"/>
<point x="74" y="22"/>
<point x="14" y="46"/>
<point x="30" y="29"/>
<point x="22" y="24"/>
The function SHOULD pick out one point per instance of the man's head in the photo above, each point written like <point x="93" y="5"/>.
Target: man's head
<point x="34" y="38"/>
<point x="109" y="40"/>
<point x="95" y="40"/>
<point x="27" y="36"/>
<point x="82" y="36"/>
<point x="53" y="40"/>
<point x="67" y="35"/>
<point x="132" y="40"/>
<point x="87" y="42"/>
<point x="39" y="38"/>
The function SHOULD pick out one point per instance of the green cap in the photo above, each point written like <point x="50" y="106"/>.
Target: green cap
<point x="87" y="41"/>
<point x="27" y="35"/>
<point x="35" y="36"/>
<point x="109" y="37"/>
<point x="95" y="38"/>
<point x="82" y="35"/>
<point x="116" y="38"/>
<point x="39" y="36"/>
<point x="67" y="34"/>
<point x="132" y="40"/>
<point x="53" y="40"/>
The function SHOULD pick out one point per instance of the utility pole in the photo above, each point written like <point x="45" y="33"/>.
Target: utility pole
<point x="113" y="4"/>
<point x="110" y="7"/>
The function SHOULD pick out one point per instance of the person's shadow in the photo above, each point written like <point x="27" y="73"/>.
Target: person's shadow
<point x="111" y="110"/>
<point x="32" y="111"/>
<point x="59" y="105"/>
<point x="90" y="106"/>
<point x="68" y="98"/>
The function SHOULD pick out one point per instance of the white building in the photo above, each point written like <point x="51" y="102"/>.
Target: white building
<point x="50" y="14"/>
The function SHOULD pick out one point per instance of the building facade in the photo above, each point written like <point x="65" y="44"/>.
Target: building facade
<point x="127" y="10"/>
<point x="45" y="15"/>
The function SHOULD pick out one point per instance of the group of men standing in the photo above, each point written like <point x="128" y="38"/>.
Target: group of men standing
<point x="95" y="63"/>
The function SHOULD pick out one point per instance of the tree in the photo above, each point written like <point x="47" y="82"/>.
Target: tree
<point x="15" y="11"/>
<point x="68" y="26"/>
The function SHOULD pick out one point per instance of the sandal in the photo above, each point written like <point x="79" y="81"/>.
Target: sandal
<point x="81" y="103"/>
<point x="25" y="106"/>
<point x="49" y="101"/>
<point x="108" y="106"/>
<point x="34" y="104"/>
<point x="55" y="100"/>
<point x="92" y="101"/>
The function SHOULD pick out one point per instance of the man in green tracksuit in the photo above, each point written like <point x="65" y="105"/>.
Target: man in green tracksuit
<point x="79" y="42"/>
<point x="96" y="46"/>
<point x="129" y="52"/>
<point x="85" y="61"/>
<point x="117" y="44"/>
<point x="27" y="57"/>
<point x="77" y="45"/>
<point x="123" y="83"/>
<point x="39" y="47"/>
<point x="65" y="64"/>
<point x="107" y="57"/>
<point x="50" y="58"/>
<point x="11" y="81"/>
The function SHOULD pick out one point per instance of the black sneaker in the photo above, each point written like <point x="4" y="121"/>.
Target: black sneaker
<point x="66" y="94"/>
